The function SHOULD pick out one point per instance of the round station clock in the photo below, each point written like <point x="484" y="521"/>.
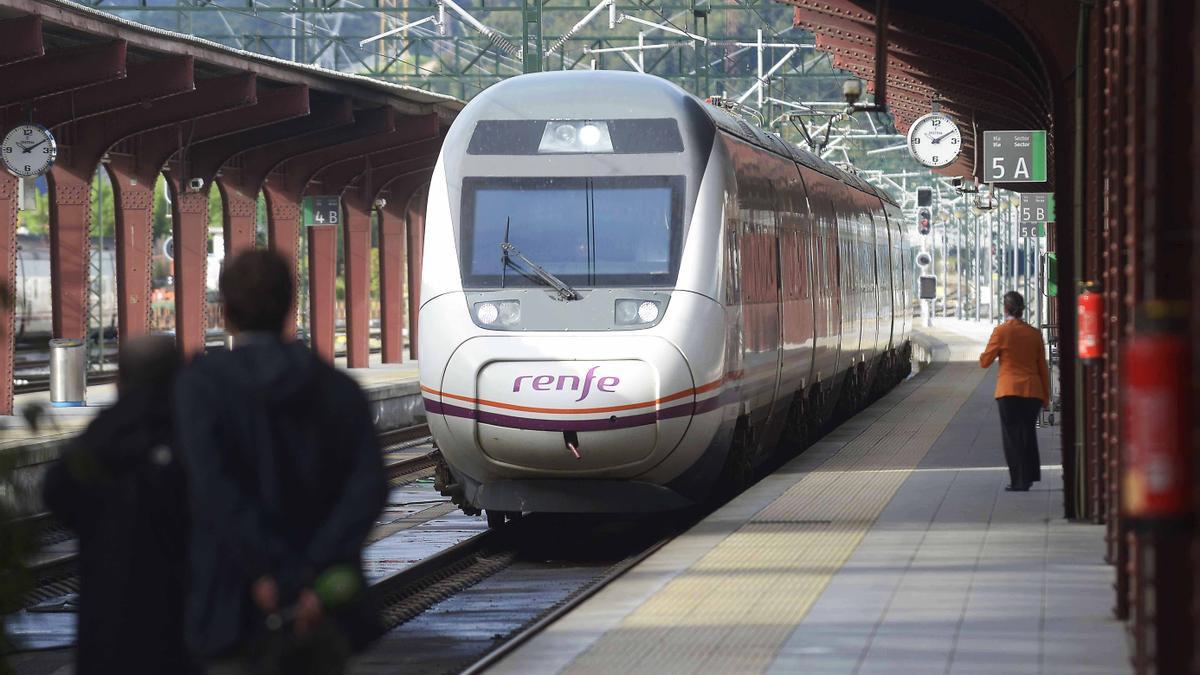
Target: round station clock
<point x="28" y="150"/>
<point x="934" y="140"/>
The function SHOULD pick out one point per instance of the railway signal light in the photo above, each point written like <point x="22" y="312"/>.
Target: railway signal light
<point x="923" y="221"/>
<point x="924" y="196"/>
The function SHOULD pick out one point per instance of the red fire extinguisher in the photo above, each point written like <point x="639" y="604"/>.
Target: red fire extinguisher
<point x="1091" y="321"/>
<point x="1157" y="475"/>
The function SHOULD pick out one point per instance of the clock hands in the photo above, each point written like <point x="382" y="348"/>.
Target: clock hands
<point x="939" y="139"/>
<point x="29" y="149"/>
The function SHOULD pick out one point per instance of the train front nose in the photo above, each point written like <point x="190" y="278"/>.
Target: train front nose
<point x="577" y="406"/>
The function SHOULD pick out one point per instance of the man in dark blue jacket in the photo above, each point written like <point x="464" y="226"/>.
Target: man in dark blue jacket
<point x="120" y="488"/>
<point x="286" y="481"/>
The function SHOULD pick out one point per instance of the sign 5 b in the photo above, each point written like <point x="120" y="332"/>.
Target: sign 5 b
<point x="1037" y="207"/>
<point x="1014" y="156"/>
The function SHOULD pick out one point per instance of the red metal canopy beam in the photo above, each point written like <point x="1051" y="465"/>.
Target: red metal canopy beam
<point x="927" y="58"/>
<point x="949" y="44"/>
<point x="416" y="249"/>
<point x="135" y="164"/>
<point x="254" y="154"/>
<point x="61" y="71"/>
<point x="259" y="153"/>
<point x="994" y="112"/>
<point x="393" y="224"/>
<point x="357" y="205"/>
<point x="83" y="144"/>
<point x="415" y="140"/>
<point x="995" y="97"/>
<point x="8" y="277"/>
<point x="283" y="191"/>
<point x="20" y="39"/>
<point x="143" y="83"/>
<point x="239" y="208"/>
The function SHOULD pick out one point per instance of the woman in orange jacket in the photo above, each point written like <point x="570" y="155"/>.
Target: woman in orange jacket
<point x="1022" y="390"/>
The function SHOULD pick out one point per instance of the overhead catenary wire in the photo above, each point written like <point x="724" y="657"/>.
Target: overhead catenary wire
<point x="335" y="38"/>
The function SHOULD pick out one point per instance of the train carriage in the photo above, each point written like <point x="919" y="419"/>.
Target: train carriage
<point x="631" y="297"/>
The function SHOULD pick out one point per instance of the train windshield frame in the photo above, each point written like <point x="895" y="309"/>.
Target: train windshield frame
<point x="590" y="232"/>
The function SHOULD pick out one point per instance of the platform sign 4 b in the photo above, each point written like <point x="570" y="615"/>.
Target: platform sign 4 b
<point x="1014" y="156"/>
<point x="322" y="210"/>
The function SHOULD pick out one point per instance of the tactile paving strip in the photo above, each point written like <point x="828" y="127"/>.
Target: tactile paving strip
<point x="732" y="610"/>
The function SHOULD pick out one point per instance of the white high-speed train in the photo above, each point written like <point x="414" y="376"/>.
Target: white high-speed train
<point x="631" y="297"/>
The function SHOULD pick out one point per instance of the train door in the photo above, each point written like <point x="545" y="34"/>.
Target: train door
<point x="824" y="251"/>
<point x="796" y="293"/>
<point x="884" y="290"/>
<point x="849" y="234"/>
<point x="896" y="330"/>
<point x="758" y="271"/>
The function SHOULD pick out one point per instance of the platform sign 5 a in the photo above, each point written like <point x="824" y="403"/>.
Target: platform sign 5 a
<point x="1014" y="156"/>
<point x="322" y="210"/>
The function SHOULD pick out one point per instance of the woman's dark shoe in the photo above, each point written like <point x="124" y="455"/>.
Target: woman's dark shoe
<point x="1016" y="488"/>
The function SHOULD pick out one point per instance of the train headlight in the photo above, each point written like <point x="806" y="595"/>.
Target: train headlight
<point x="571" y="136"/>
<point x="498" y="313"/>
<point x="631" y="312"/>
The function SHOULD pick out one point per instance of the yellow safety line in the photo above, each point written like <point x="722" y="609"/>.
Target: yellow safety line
<point x="734" y="608"/>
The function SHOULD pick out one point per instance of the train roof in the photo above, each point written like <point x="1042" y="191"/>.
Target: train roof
<point x="610" y="94"/>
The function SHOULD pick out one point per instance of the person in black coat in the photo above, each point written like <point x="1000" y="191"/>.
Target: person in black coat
<point x="286" y="481"/>
<point x="120" y="488"/>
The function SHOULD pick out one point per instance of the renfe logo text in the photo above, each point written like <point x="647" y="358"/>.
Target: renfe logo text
<point x="608" y="383"/>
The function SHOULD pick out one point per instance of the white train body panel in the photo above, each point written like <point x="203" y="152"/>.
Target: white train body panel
<point x="572" y="405"/>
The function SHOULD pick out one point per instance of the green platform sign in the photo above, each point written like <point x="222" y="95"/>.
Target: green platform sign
<point x="1052" y="274"/>
<point x="322" y="210"/>
<point x="1037" y="207"/>
<point x="1014" y="156"/>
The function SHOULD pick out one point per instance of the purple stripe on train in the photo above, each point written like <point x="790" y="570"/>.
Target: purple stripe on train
<point x="531" y="423"/>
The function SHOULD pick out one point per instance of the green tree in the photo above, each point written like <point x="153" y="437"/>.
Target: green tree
<point x="161" y="213"/>
<point x="103" y="206"/>
<point x="36" y="221"/>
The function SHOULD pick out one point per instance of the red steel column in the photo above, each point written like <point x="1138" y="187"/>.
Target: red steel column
<point x="190" y="229"/>
<point x="134" y="204"/>
<point x="356" y="231"/>
<point x="416" y="248"/>
<point x="70" y="220"/>
<point x="8" y="279"/>
<point x="283" y="237"/>
<point x="322" y="275"/>
<point x="391" y="277"/>
<point x="238" y="218"/>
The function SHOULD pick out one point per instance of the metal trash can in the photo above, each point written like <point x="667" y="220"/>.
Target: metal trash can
<point x="68" y="373"/>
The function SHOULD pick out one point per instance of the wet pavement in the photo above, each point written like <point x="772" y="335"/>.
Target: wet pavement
<point x="455" y="632"/>
<point x="416" y="523"/>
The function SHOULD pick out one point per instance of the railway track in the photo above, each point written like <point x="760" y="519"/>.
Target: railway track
<point x="54" y="573"/>
<point x="517" y="579"/>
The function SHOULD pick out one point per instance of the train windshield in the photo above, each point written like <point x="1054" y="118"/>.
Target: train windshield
<point x="588" y="232"/>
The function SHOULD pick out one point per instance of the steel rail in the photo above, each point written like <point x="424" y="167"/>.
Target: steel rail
<point x="530" y="630"/>
<point x="61" y="569"/>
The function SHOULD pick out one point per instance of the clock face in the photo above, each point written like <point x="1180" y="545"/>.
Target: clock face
<point x="934" y="140"/>
<point x="28" y="150"/>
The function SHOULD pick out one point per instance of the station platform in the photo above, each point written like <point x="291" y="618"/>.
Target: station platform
<point x="392" y="390"/>
<point x="890" y="546"/>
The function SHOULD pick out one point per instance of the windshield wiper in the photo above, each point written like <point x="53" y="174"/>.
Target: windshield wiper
<point x="564" y="291"/>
